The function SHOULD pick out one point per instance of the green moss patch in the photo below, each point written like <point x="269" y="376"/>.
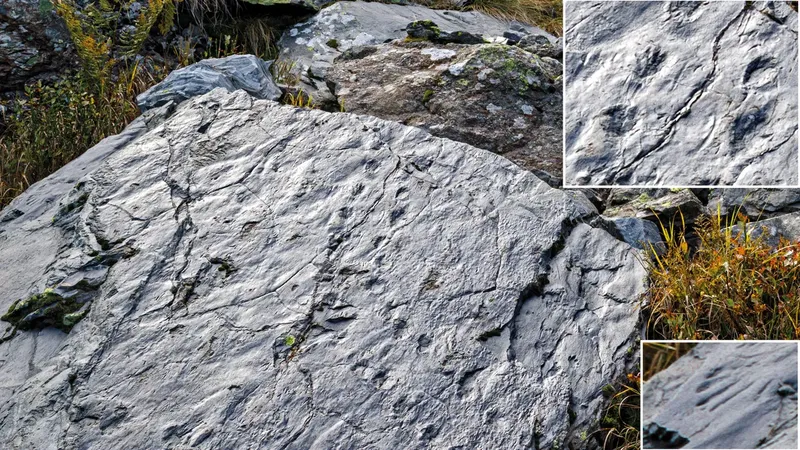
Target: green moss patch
<point x="47" y="309"/>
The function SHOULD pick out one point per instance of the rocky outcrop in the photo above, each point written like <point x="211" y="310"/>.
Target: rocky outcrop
<point x="724" y="395"/>
<point x="311" y="46"/>
<point x="493" y="96"/>
<point x="33" y="41"/>
<point x="675" y="93"/>
<point x="315" y="279"/>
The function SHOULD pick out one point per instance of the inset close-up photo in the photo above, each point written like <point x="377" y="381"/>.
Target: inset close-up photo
<point x="668" y="93"/>
<point x="733" y="395"/>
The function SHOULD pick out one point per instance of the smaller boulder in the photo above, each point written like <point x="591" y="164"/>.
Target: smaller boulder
<point x="246" y="72"/>
<point x="666" y="209"/>
<point x="427" y="30"/>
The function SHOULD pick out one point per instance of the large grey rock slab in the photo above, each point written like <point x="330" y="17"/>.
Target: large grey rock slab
<point x="492" y="96"/>
<point x="725" y="395"/>
<point x="301" y="279"/>
<point x="312" y="45"/>
<point x="681" y="93"/>
<point x="247" y="72"/>
<point x="33" y="41"/>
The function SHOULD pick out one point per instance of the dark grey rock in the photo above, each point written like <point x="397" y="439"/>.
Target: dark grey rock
<point x="725" y="395"/>
<point x="492" y="96"/>
<point x="301" y="279"/>
<point x="246" y="72"/>
<point x="639" y="233"/>
<point x="33" y="42"/>
<point x="687" y="94"/>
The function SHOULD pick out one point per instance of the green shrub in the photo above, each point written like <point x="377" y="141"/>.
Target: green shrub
<point x="733" y="286"/>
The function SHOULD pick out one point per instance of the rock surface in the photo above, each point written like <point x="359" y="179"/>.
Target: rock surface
<point x="673" y="93"/>
<point x="312" y="45"/>
<point x="315" y="280"/>
<point x="492" y="96"/>
<point x="727" y="395"/>
<point x="33" y="41"/>
<point x="246" y="72"/>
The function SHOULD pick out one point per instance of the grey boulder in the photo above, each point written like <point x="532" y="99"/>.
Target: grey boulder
<point x="247" y="72"/>
<point x="300" y="279"/>
<point x="724" y="395"/>
<point x="675" y="93"/>
<point x="312" y="45"/>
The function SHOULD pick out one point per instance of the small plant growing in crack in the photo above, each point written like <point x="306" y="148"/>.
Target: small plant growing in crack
<point x="290" y="340"/>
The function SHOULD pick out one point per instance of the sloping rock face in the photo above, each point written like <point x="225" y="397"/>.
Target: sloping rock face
<point x="675" y="93"/>
<point x="312" y="45"/>
<point x="33" y="41"/>
<point x="725" y="395"/>
<point x="493" y="96"/>
<point x="299" y="279"/>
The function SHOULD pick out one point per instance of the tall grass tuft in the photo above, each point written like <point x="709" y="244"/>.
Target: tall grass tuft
<point x="733" y="286"/>
<point x="620" y="423"/>
<point x="657" y="356"/>
<point x="545" y="14"/>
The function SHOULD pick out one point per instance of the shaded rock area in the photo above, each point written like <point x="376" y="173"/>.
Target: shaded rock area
<point x="302" y="279"/>
<point x="675" y="93"/>
<point x="312" y="45"/>
<point x="724" y="395"/>
<point x="493" y="96"/>
<point x="33" y="42"/>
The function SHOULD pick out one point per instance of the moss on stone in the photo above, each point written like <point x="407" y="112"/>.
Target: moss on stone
<point x="47" y="309"/>
<point x="426" y="96"/>
<point x="333" y="43"/>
